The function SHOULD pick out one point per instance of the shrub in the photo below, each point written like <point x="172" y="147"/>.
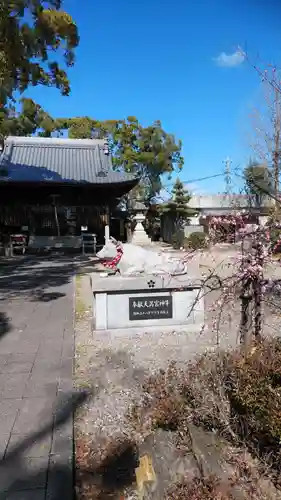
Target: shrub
<point x="177" y="239"/>
<point x="254" y="389"/>
<point x="196" y="241"/>
<point x="239" y="398"/>
<point x="196" y="394"/>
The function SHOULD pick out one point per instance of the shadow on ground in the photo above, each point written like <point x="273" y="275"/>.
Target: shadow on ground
<point x="115" y="472"/>
<point x="33" y="277"/>
<point x="5" y="325"/>
<point x="60" y="474"/>
<point x="109" y="480"/>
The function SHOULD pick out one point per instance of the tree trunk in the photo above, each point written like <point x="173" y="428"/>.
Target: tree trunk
<point x="276" y="152"/>
<point x="257" y="291"/>
<point x="246" y="298"/>
<point x="246" y="315"/>
<point x="257" y="287"/>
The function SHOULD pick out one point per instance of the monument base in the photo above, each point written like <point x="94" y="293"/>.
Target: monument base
<point x="147" y="302"/>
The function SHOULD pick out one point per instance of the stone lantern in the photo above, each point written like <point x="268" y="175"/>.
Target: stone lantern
<point x="140" y="236"/>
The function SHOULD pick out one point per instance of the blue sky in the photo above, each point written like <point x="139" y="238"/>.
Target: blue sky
<point x="173" y="61"/>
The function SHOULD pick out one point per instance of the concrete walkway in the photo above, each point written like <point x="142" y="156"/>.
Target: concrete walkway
<point x="36" y="395"/>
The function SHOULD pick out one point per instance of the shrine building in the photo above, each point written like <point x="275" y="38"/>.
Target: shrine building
<point x="52" y="189"/>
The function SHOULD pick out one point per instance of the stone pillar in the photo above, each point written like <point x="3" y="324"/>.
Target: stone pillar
<point x="139" y="235"/>
<point x="106" y="233"/>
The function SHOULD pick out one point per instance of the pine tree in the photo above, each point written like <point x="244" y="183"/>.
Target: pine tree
<point x="178" y="207"/>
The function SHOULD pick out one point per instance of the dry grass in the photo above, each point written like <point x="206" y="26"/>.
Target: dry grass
<point x="238" y="399"/>
<point x="234" y="399"/>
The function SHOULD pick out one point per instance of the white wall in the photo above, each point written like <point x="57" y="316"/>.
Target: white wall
<point x="223" y="201"/>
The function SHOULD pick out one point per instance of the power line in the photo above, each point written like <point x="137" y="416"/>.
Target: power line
<point x="200" y="179"/>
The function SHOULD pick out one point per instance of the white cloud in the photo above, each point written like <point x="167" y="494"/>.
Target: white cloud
<point x="230" y="60"/>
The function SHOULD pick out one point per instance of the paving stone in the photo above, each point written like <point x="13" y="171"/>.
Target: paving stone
<point x="25" y="495"/>
<point x="4" y="439"/>
<point x="66" y="370"/>
<point x="65" y="385"/>
<point x="31" y="338"/>
<point x="16" y="367"/>
<point x="34" y="413"/>
<point x="49" y="353"/>
<point x="61" y="459"/>
<point x="9" y="346"/>
<point x="46" y="365"/>
<point x="4" y="358"/>
<point x="12" y="385"/>
<point x="25" y="347"/>
<point x="8" y="413"/>
<point x="31" y="370"/>
<point x="54" y="343"/>
<point x="34" y="447"/>
<point x="22" y="357"/>
<point x="62" y="443"/>
<point x="29" y="474"/>
<point x="60" y="479"/>
<point x="67" y="350"/>
<point x="41" y="384"/>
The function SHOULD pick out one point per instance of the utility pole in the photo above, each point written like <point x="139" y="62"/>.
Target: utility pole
<point x="228" y="179"/>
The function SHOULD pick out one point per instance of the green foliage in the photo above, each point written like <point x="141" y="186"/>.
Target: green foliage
<point x="177" y="207"/>
<point x="148" y="152"/>
<point x="196" y="241"/>
<point x="178" y="239"/>
<point x="81" y="127"/>
<point x="31" y="31"/>
<point x="258" y="181"/>
<point x="30" y="119"/>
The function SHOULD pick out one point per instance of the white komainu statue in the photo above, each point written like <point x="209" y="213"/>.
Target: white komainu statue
<point x="131" y="260"/>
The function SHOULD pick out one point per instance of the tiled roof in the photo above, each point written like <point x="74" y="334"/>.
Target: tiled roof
<point x="37" y="159"/>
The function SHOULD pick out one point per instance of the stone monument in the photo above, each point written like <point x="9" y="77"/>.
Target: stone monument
<point x="140" y="236"/>
<point x="150" y="290"/>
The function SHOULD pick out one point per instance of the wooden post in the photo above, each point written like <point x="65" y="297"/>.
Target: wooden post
<point x="257" y="291"/>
